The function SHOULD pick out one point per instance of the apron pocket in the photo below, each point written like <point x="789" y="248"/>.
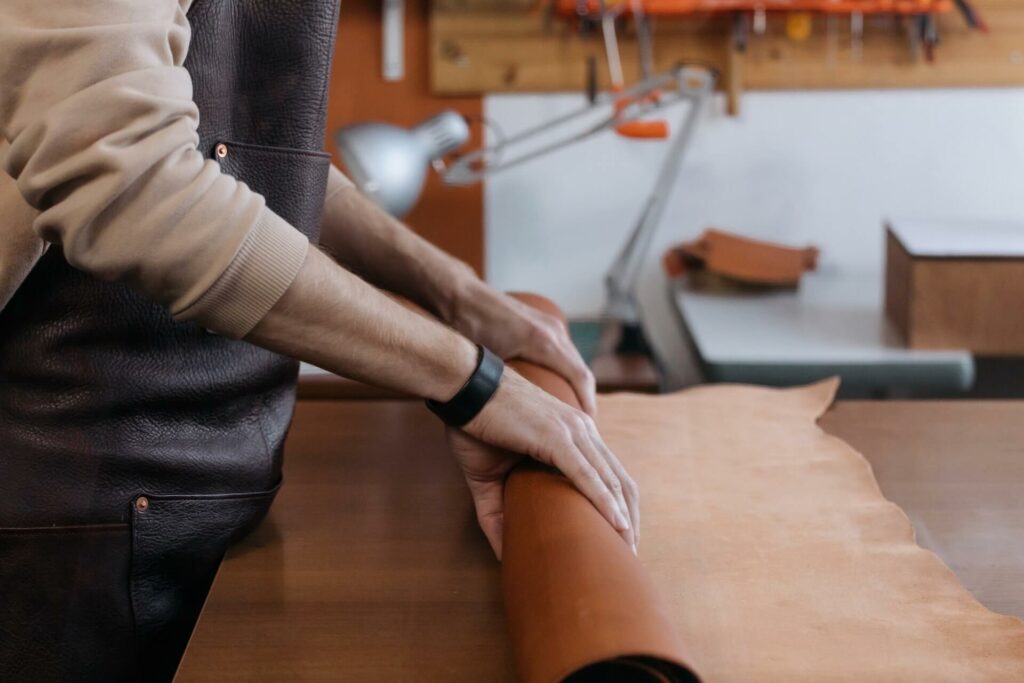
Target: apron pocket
<point x="65" y="612"/>
<point x="293" y="181"/>
<point x="178" y="542"/>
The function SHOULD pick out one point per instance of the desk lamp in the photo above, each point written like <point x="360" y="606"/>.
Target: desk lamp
<point x="389" y="164"/>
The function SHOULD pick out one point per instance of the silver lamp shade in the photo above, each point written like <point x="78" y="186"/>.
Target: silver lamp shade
<point x="389" y="164"/>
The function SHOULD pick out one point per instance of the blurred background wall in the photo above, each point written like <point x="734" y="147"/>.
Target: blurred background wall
<point x="801" y="167"/>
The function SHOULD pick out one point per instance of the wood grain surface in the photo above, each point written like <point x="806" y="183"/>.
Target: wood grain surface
<point x="486" y="46"/>
<point x="956" y="468"/>
<point x="370" y="565"/>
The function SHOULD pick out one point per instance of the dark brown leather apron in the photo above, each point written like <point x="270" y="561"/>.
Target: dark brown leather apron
<point x="134" y="449"/>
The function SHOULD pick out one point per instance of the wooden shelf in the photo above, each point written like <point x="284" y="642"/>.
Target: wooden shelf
<point x="481" y="46"/>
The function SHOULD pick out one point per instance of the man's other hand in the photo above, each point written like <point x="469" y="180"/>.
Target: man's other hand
<point x="522" y="418"/>
<point x="512" y="329"/>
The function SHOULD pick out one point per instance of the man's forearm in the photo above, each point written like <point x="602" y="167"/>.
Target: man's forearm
<point x="335" y="320"/>
<point x="385" y="252"/>
<point x="379" y="248"/>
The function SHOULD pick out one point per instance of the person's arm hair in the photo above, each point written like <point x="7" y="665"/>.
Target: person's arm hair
<point x="97" y="107"/>
<point x="385" y="252"/>
<point x="334" y="319"/>
<point x="361" y="236"/>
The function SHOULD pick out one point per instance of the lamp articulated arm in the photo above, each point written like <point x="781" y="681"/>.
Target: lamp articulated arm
<point x="692" y="84"/>
<point x="621" y="278"/>
<point x="622" y="108"/>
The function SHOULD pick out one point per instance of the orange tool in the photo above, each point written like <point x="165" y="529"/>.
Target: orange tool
<point x="636" y="129"/>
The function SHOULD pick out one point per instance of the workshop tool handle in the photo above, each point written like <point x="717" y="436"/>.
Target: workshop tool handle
<point x="643" y="130"/>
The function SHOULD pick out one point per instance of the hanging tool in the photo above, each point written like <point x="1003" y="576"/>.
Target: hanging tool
<point x="832" y="39"/>
<point x="971" y="16"/>
<point x="910" y="25"/>
<point x="856" y="36"/>
<point x="592" y="88"/>
<point x="584" y="21"/>
<point x="611" y="47"/>
<point x="644" y="39"/>
<point x="633" y="128"/>
<point x="739" y="40"/>
<point x="929" y="29"/>
<point x="760" y="21"/>
<point x="799" y="26"/>
<point x="740" y="32"/>
<point x="393" y="40"/>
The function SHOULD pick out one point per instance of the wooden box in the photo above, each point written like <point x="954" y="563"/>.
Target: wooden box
<point x="956" y="286"/>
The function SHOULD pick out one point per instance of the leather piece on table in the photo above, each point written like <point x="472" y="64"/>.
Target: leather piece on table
<point x="740" y="260"/>
<point x="776" y="554"/>
<point x="767" y="553"/>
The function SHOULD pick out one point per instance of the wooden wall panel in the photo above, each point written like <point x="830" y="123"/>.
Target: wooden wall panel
<point x="450" y="217"/>
<point x="497" y="45"/>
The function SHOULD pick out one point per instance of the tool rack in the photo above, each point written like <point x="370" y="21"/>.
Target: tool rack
<point x="520" y="46"/>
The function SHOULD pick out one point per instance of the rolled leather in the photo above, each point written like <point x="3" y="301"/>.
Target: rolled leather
<point x="578" y="603"/>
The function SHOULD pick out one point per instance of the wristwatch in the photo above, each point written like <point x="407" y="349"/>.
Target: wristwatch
<point x="474" y="394"/>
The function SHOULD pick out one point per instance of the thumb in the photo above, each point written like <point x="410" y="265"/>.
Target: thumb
<point x="489" y="501"/>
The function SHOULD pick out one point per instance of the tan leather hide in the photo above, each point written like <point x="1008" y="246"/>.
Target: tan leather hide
<point x="767" y="553"/>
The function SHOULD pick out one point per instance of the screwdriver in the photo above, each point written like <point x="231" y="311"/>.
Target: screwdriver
<point x="856" y="35"/>
<point x="971" y="15"/>
<point x="929" y="35"/>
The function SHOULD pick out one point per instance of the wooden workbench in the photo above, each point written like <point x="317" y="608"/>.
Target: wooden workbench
<point x="370" y="565"/>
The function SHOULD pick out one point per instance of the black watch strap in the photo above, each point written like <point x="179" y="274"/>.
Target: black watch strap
<point x="474" y="394"/>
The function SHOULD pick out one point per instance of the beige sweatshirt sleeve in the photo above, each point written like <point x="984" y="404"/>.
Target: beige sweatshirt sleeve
<point x="98" y="111"/>
<point x="336" y="182"/>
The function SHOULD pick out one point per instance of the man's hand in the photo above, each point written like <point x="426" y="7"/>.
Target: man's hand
<point x="485" y="468"/>
<point x="387" y="254"/>
<point x="522" y="418"/>
<point x="512" y="329"/>
<point x="335" y="321"/>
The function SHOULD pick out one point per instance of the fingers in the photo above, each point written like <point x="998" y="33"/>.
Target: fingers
<point x="597" y="455"/>
<point x="571" y="458"/>
<point x="630" y="491"/>
<point x="522" y="418"/>
<point x="585" y="386"/>
<point x="488" y="499"/>
<point x="576" y="371"/>
<point x="554" y="349"/>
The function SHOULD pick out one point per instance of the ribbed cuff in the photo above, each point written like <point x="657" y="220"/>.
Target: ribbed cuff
<point x="264" y="267"/>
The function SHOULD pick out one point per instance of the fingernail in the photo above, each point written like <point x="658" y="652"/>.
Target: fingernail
<point x="621" y="522"/>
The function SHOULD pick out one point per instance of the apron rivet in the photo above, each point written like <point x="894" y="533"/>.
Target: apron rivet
<point x="142" y="503"/>
<point x="222" y="150"/>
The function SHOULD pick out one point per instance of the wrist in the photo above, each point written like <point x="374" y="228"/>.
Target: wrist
<point x="460" y="363"/>
<point x="474" y="393"/>
<point x="460" y="292"/>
